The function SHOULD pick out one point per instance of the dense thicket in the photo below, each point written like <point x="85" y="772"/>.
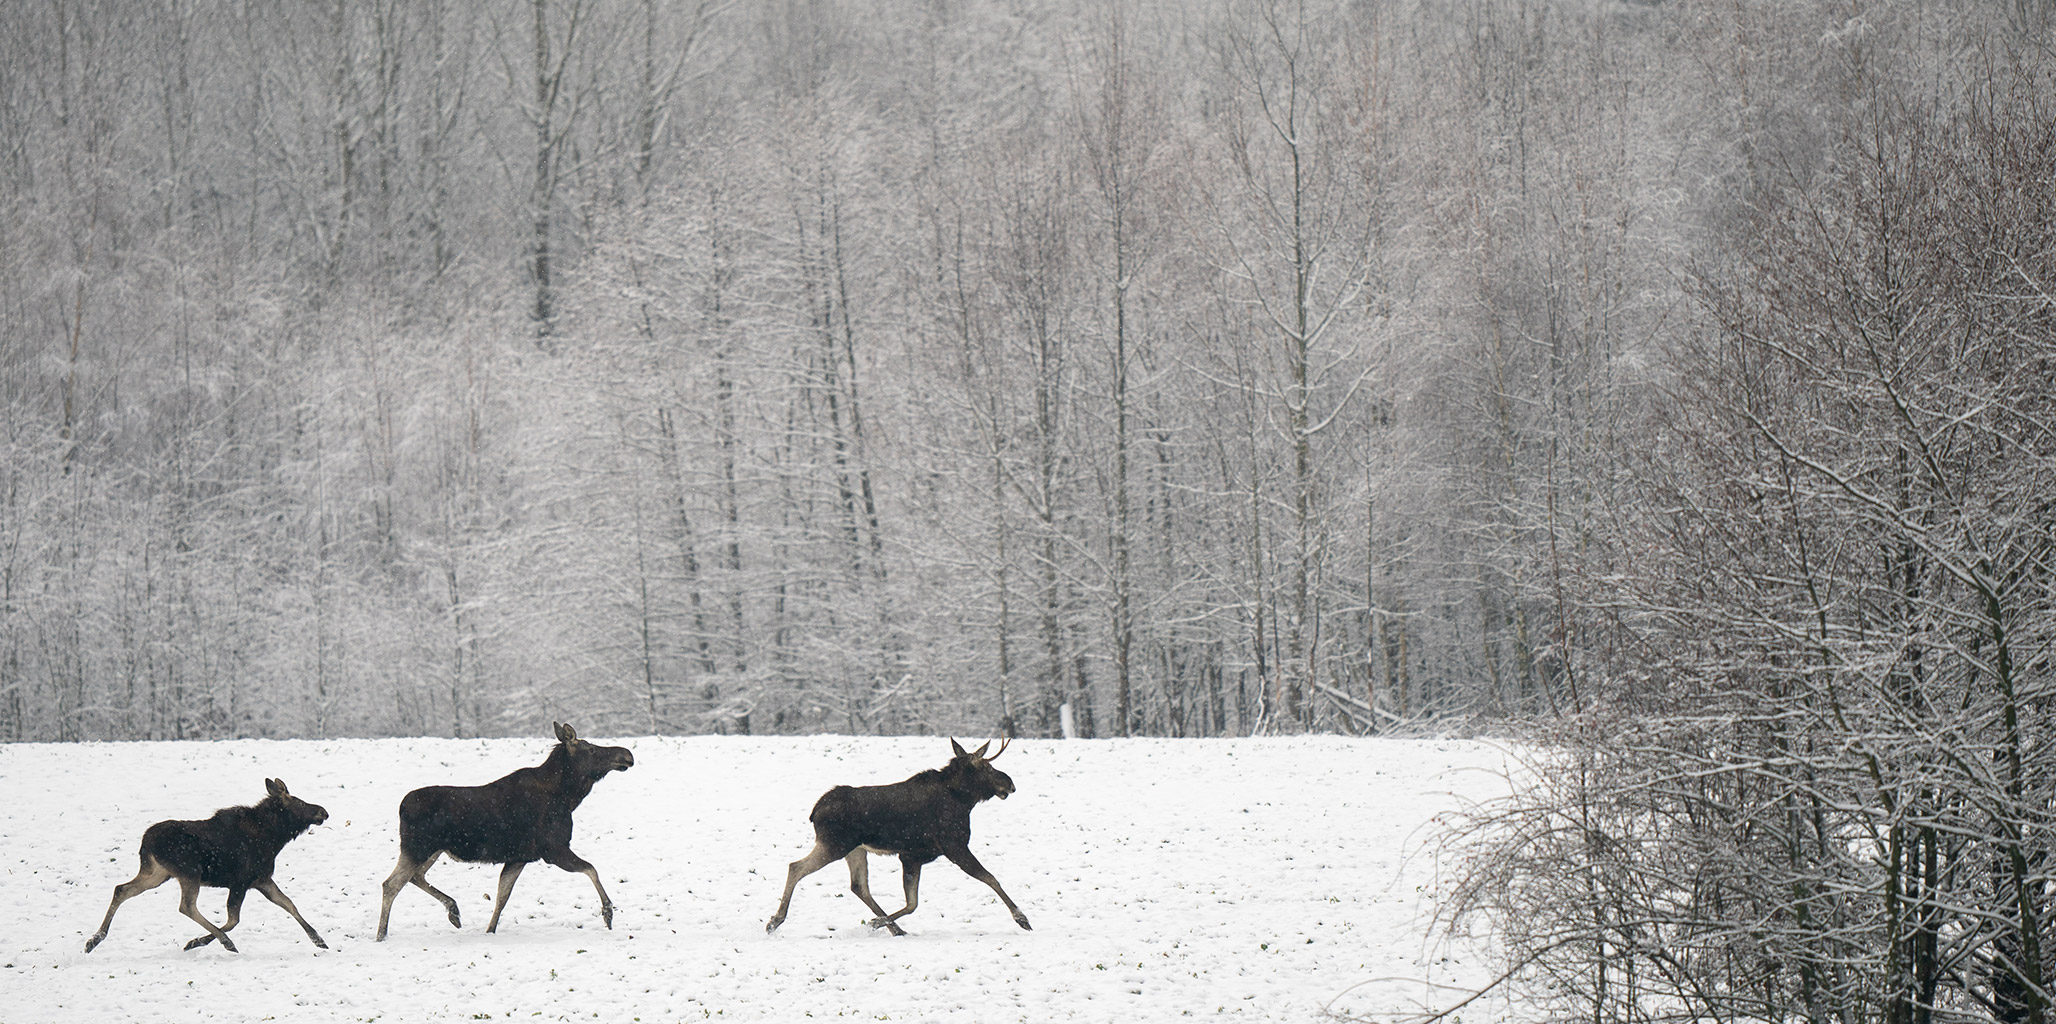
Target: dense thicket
<point x="1814" y="776"/>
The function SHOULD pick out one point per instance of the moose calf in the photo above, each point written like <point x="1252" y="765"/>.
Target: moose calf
<point x="523" y="817"/>
<point x="925" y="817"/>
<point x="235" y="849"/>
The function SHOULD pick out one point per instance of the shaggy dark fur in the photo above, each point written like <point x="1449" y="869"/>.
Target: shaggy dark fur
<point x="521" y="818"/>
<point x="925" y="817"/>
<point x="236" y="849"/>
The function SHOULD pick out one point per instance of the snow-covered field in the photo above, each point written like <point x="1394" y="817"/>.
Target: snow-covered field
<point x="1238" y="879"/>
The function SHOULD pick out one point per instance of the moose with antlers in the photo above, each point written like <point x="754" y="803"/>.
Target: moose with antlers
<point x="523" y="817"/>
<point x="235" y="849"/>
<point x="925" y="817"/>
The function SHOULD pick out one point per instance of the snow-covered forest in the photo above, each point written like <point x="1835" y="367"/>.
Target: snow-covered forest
<point x="436" y="368"/>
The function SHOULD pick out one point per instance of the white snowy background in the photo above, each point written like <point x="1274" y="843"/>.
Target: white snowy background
<point x="1269" y="879"/>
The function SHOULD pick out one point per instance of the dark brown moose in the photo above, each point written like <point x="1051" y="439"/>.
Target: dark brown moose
<point x="236" y="849"/>
<point x="521" y="818"/>
<point x="925" y="817"/>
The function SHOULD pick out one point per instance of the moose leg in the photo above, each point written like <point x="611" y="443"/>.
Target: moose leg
<point x="150" y="876"/>
<point x="573" y="862"/>
<point x="508" y="873"/>
<point x="963" y="858"/>
<point x="910" y="883"/>
<point x="271" y="892"/>
<point x="391" y="888"/>
<point x="817" y="858"/>
<point x="420" y="881"/>
<point x="407" y="871"/>
<point x="235" y="914"/>
<point x="189" y="905"/>
<point x="860" y="883"/>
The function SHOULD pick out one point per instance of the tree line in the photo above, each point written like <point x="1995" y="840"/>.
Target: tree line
<point x="377" y="367"/>
<point x="429" y="368"/>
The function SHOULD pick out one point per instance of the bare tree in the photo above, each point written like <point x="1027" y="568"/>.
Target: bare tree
<point x="1298" y="233"/>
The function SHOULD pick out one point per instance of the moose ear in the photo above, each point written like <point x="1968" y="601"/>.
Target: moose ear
<point x="276" y="787"/>
<point x="956" y="747"/>
<point x="565" y="734"/>
<point x="980" y="752"/>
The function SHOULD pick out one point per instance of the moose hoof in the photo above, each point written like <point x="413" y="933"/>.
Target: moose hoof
<point x="320" y="943"/>
<point x="607" y="915"/>
<point x="201" y="941"/>
<point x="227" y="945"/>
<point x="94" y="941"/>
<point x="455" y="922"/>
<point x="887" y="924"/>
<point x="770" y="926"/>
<point x="1022" y="920"/>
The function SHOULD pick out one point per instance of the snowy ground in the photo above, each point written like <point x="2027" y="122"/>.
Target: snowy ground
<point x="1252" y="880"/>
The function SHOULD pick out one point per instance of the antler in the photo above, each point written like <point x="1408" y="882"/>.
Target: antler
<point x="1002" y="748"/>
